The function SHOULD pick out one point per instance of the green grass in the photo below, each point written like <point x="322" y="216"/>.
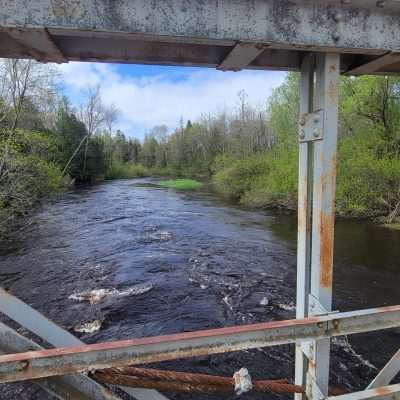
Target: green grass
<point x="181" y="184"/>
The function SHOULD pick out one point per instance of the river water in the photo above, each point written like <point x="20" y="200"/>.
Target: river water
<point x="126" y="259"/>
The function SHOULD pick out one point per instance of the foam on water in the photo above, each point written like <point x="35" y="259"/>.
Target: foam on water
<point x="89" y="327"/>
<point x="98" y="295"/>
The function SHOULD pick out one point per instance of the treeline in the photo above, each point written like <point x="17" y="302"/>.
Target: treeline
<point x="252" y="154"/>
<point x="46" y="144"/>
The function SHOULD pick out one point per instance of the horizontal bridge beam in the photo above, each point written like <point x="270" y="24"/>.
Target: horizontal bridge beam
<point x="60" y="361"/>
<point x="189" y="32"/>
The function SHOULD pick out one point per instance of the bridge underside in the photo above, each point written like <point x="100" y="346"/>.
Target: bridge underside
<point x="227" y="34"/>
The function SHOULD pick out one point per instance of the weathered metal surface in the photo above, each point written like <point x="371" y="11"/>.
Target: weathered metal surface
<point x="130" y="30"/>
<point x="38" y="324"/>
<point x="323" y="208"/>
<point x="74" y="387"/>
<point x="242" y="55"/>
<point x="60" y="361"/>
<point x="387" y="373"/>
<point x="377" y="64"/>
<point x="311" y="126"/>
<point x="304" y="219"/>
<point x="38" y="43"/>
<point x="385" y="392"/>
<point x="187" y="382"/>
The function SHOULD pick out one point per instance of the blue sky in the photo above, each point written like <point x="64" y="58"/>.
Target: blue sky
<point x="158" y="95"/>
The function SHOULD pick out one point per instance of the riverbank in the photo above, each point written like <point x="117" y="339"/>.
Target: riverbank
<point x="159" y="261"/>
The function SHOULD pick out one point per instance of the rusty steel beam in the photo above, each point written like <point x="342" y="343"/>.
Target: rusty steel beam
<point x="60" y="361"/>
<point x="242" y="55"/>
<point x="38" y="44"/>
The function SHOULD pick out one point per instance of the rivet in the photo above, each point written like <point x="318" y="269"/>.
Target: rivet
<point x="335" y="36"/>
<point x="380" y="3"/>
<point x="302" y="134"/>
<point x="316" y="132"/>
<point x="335" y="323"/>
<point x="302" y="121"/>
<point x="337" y="17"/>
<point x="316" y="120"/>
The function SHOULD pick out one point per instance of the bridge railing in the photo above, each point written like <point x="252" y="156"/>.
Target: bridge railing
<point x="77" y="358"/>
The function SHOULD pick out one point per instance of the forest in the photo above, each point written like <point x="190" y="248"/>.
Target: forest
<point x="47" y="145"/>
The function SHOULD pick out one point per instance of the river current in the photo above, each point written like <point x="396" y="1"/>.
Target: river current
<point x="126" y="259"/>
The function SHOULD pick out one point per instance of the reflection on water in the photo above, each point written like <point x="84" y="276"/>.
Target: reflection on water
<point x="127" y="259"/>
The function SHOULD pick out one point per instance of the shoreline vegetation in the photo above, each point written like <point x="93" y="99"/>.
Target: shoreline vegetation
<point x="249" y="154"/>
<point x="181" y="184"/>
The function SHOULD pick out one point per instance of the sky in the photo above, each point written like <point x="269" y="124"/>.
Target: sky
<point x="159" y="95"/>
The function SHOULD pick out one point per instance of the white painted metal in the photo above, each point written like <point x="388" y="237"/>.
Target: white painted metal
<point x="311" y="126"/>
<point x="77" y="387"/>
<point x="323" y="209"/>
<point x="38" y="324"/>
<point x="304" y="218"/>
<point x="391" y="392"/>
<point x="387" y="373"/>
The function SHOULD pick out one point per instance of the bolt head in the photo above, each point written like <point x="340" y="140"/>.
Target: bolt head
<point x="302" y="121"/>
<point x="337" y="17"/>
<point x="316" y="120"/>
<point x="336" y="36"/>
<point x="302" y="134"/>
<point x="316" y="133"/>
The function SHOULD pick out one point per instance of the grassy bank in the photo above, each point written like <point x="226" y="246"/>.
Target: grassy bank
<point x="181" y="184"/>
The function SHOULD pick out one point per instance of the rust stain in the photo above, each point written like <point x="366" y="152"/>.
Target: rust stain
<point x="326" y="233"/>
<point x="383" y="391"/>
<point x="333" y="91"/>
<point x="303" y="204"/>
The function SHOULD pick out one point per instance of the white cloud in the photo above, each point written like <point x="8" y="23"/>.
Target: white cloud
<point x="147" y="100"/>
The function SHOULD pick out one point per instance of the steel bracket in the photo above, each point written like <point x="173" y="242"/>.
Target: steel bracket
<point x="316" y="308"/>
<point x="311" y="126"/>
<point x="312" y="389"/>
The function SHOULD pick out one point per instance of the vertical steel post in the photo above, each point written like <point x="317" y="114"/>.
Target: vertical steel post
<point x="316" y="211"/>
<point x="323" y="209"/>
<point x="304" y="216"/>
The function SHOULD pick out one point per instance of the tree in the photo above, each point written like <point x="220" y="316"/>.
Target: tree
<point x="92" y="114"/>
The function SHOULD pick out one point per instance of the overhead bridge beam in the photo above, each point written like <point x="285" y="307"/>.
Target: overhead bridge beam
<point x="376" y="65"/>
<point x="189" y="32"/>
<point x="241" y="56"/>
<point x="60" y="361"/>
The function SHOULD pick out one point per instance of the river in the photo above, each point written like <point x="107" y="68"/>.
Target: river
<point x="126" y="259"/>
